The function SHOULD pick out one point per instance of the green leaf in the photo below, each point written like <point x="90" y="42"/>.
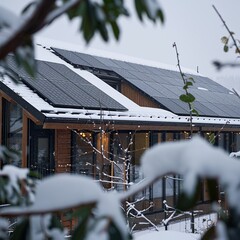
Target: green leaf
<point x="115" y="30"/>
<point x="211" y="138"/>
<point x="152" y="10"/>
<point x="224" y="40"/>
<point x="21" y="231"/>
<point x="55" y="222"/>
<point x="187" y="98"/>
<point x="225" y="48"/>
<point x="139" y="9"/>
<point x="81" y="229"/>
<point x="187" y="85"/>
<point x="195" y="112"/>
<point x="191" y="79"/>
<point x="114" y="232"/>
<point x="186" y="202"/>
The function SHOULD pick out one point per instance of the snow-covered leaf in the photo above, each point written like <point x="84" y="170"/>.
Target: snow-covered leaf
<point x="193" y="159"/>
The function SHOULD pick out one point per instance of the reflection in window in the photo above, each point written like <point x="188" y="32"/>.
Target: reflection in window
<point x="122" y="159"/>
<point x="140" y="144"/>
<point x="41" y="163"/>
<point x="82" y="158"/>
<point x="12" y="127"/>
<point x="237" y="142"/>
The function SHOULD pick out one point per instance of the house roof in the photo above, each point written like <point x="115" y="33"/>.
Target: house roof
<point x="161" y="85"/>
<point x="31" y="95"/>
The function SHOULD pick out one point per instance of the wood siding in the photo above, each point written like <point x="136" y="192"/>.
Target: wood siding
<point x="137" y="97"/>
<point x="24" y="139"/>
<point x="62" y="151"/>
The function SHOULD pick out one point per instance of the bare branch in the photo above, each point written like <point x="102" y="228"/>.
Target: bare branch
<point x="186" y="90"/>
<point x="31" y="25"/>
<point x="225" y="25"/>
<point x="42" y="16"/>
<point x="220" y="65"/>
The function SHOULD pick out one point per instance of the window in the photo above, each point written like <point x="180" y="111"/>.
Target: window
<point x="122" y="159"/>
<point x="41" y="150"/>
<point x="82" y="155"/>
<point x="12" y="128"/>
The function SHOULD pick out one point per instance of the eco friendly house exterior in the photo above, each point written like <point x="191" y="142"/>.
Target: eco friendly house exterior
<point x="95" y="115"/>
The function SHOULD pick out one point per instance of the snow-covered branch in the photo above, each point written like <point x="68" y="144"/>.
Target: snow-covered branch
<point x="26" y="25"/>
<point x="194" y="159"/>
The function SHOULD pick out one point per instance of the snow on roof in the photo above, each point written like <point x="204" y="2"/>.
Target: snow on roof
<point x="48" y="43"/>
<point x="134" y="112"/>
<point x="138" y="114"/>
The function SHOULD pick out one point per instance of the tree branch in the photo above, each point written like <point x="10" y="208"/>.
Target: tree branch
<point x="186" y="89"/>
<point x="225" y="25"/>
<point x="31" y="25"/>
<point x="42" y="16"/>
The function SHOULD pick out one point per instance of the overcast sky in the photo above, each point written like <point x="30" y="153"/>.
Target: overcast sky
<point x="192" y="24"/>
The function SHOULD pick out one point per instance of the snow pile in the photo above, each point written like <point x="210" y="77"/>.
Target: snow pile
<point x="171" y="235"/>
<point x="12" y="188"/>
<point x="193" y="159"/>
<point x="65" y="191"/>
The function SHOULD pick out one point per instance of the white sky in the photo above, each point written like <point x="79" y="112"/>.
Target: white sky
<point x="193" y="25"/>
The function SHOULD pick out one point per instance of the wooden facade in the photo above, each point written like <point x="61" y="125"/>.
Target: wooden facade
<point x="62" y="151"/>
<point x="137" y="97"/>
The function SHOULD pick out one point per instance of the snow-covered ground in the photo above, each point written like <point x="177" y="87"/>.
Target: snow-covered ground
<point x="178" y="231"/>
<point x="171" y="235"/>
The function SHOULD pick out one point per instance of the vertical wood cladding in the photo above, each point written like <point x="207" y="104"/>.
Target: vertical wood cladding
<point x="62" y="150"/>
<point x="137" y="97"/>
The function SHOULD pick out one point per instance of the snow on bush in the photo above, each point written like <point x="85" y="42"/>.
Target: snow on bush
<point x="65" y="191"/>
<point x="193" y="159"/>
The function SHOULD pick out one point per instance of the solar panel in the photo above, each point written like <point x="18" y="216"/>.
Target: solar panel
<point x="92" y="61"/>
<point x="172" y="106"/>
<point x="62" y="87"/>
<point x="107" y="62"/>
<point x="203" y="110"/>
<point x="70" y="57"/>
<point x="123" y="73"/>
<point x="165" y="86"/>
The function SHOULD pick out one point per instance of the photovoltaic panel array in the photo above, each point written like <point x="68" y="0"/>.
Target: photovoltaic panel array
<point x="164" y="86"/>
<point x="62" y="87"/>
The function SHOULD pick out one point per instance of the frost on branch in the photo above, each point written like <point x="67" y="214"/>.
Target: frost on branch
<point x="193" y="159"/>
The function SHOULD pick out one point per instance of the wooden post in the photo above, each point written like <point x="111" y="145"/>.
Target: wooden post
<point x="24" y="139"/>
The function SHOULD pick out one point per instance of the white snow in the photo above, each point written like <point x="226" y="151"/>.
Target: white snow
<point x="7" y="18"/>
<point x="135" y="112"/>
<point x="170" y="235"/>
<point x="194" y="158"/>
<point x="15" y="175"/>
<point x="40" y="227"/>
<point x="234" y="154"/>
<point x="202" y="88"/>
<point x="47" y="43"/>
<point x="65" y="191"/>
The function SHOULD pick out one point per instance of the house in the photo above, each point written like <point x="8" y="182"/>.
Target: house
<point x="93" y="114"/>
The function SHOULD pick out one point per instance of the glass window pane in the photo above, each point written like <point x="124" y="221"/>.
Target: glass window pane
<point x="82" y="162"/>
<point x="42" y="161"/>
<point x="12" y="128"/>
